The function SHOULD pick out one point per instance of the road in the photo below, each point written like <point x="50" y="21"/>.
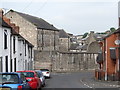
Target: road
<point x="83" y="79"/>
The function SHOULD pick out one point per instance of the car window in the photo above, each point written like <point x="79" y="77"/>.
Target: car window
<point x="44" y="69"/>
<point x="23" y="77"/>
<point x="37" y="74"/>
<point x="9" y="78"/>
<point x="28" y="74"/>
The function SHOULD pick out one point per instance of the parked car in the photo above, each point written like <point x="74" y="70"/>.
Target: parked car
<point x="46" y="73"/>
<point x="33" y="79"/>
<point x="13" y="81"/>
<point x="42" y="78"/>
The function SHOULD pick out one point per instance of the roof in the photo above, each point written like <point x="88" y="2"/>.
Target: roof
<point x="39" y="22"/>
<point x="9" y="73"/>
<point x="84" y="47"/>
<point x="26" y="71"/>
<point x="63" y="34"/>
<point x="74" y="46"/>
<point x="3" y="23"/>
<point x="117" y="31"/>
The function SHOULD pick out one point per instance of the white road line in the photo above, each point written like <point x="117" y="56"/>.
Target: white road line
<point x="85" y="84"/>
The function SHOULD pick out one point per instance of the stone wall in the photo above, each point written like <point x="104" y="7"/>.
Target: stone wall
<point x="27" y="29"/>
<point x="64" y="44"/>
<point x="48" y="40"/>
<point x="65" y="61"/>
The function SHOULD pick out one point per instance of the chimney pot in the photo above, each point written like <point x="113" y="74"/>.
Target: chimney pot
<point x="1" y="13"/>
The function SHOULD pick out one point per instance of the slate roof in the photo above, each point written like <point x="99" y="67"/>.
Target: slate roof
<point x="39" y="22"/>
<point x="117" y="31"/>
<point x="74" y="46"/>
<point x="3" y="23"/>
<point x="84" y="47"/>
<point x="63" y="34"/>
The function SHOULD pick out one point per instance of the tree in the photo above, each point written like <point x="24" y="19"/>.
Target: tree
<point x="85" y="34"/>
<point x="112" y="29"/>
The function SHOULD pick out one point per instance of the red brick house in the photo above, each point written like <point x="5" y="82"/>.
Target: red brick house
<point x="109" y="58"/>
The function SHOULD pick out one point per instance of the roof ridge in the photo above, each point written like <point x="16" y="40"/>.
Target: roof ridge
<point x="37" y="21"/>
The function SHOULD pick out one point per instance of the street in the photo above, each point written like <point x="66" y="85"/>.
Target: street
<point x="83" y="79"/>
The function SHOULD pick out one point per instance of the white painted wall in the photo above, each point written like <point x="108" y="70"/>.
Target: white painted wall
<point x="5" y="52"/>
<point x="23" y="62"/>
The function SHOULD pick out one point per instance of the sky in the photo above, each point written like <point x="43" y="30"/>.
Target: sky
<point x="74" y="16"/>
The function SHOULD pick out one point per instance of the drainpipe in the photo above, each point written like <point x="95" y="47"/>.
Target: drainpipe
<point x="119" y="55"/>
<point x="11" y="50"/>
<point x="106" y="59"/>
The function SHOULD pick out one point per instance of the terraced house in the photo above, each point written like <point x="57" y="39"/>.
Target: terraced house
<point x="16" y="52"/>
<point x="5" y="33"/>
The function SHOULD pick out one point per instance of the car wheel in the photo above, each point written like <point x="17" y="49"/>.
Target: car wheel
<point x="44" y="85"/>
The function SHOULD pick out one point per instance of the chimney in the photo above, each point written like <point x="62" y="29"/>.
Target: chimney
<point x="91" y="31"/>
<point x="1" y="13"/>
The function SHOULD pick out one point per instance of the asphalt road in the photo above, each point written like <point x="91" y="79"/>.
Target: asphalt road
<point x="83" y="79"/>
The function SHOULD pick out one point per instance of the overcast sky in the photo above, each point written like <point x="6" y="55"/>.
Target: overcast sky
<point x="74" y="16"/>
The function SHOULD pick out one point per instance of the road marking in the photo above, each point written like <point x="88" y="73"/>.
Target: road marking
<point x="85" y="84"/>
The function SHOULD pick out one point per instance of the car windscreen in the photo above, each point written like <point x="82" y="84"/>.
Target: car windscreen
<point x="28" y="74"/>
<point x="9" y="79"/>
<point x="44" y="69"/>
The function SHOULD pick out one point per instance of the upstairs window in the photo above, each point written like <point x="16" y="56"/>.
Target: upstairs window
<point x="14" y="45"/>
<point x="5" y="39"/>
<point x="25" y="49"/>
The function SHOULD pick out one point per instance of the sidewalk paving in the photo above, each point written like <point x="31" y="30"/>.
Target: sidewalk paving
<point x="93" y="83"/>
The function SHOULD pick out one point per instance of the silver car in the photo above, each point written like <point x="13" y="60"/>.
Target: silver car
<point x="42" y="78"/>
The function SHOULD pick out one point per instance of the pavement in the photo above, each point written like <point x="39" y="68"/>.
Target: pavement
<point x="91" y="82"/>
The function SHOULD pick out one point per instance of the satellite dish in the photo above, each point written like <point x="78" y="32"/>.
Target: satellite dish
<point x="117" y="42"/>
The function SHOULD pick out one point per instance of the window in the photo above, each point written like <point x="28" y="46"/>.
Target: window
<point x="23" y="77"/>
<point x="27" y="74"/>
<point x="6" y="60"/>
<point x="11" y="65"/>
<point x="1" y="64"/>
<point x="14" y="64"/>
<point x="31" y="52"/>
<point x="25" y="49"/>
<point x="13" y="44"/>
<point x="9" y="78"/>
<point x="5" y="39"/>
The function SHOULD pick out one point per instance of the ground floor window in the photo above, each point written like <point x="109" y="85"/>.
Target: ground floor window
<point x="14" y="64"/>
<point x="11" y="65"/>
<point x="1" y="66"/>
<point x="6" y="63"/>
<point x="26" y="65"/>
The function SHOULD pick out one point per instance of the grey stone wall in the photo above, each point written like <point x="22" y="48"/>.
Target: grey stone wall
<point x="48" y="40"/>
<point x="27" y="29"/>
<point x="64" y="44"/>
<point x="65" y="62"/>
<point x="43" y="59"/>
<point x="73" y="61"/>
